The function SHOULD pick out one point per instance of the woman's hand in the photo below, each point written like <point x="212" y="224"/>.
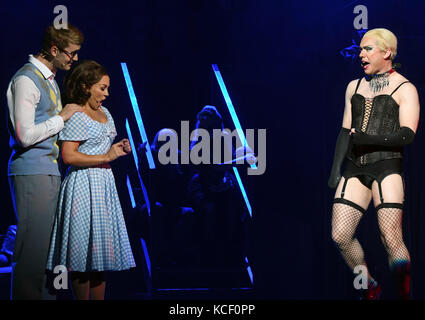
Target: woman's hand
<point x="126" y="146"/>
<point x="117" y="150"/>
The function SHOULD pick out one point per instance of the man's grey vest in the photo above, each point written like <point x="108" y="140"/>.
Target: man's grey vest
<point x="40" y="158"/>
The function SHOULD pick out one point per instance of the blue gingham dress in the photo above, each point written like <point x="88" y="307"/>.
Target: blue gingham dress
<point x="89" y="232"/>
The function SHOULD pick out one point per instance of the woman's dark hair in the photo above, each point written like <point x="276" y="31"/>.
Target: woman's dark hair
<point x="80" y="79"/>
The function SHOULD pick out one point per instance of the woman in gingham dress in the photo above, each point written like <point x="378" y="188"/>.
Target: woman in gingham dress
<point x="89" y="234"/>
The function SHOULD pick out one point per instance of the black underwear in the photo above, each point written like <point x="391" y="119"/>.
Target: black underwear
<point x="374" y="171"/>
<point x="370" y="172"/>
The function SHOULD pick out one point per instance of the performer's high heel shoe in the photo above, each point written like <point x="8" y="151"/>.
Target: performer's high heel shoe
<point x="401" y="273"/>
<point x="373" y="292"/>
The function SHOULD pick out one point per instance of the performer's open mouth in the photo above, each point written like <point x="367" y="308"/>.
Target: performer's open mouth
<point x="365" y="64"/>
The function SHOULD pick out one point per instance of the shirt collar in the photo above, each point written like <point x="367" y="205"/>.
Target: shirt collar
<point x="45" y="71"/>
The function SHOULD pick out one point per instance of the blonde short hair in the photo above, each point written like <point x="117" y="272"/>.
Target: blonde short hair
<point x="60" y="38"/>
<point x="385" y="39"/>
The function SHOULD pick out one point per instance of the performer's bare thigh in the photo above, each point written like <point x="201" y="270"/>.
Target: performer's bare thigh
<point x="355" y="191"/>
<point x="392" y="190"/>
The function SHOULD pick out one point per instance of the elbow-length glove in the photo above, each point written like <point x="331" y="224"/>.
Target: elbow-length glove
<point x="400" y="138"/>
<point x="341" y="149"/>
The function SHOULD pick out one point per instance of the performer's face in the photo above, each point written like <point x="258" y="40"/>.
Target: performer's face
<point x="373" y="58"/>
<point x="65" y="56"/>
<point x="99" y="92"/>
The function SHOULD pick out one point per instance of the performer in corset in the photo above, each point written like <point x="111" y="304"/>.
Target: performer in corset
<point x="381" y="117"/>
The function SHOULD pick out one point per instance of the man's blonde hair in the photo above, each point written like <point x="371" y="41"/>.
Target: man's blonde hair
<point x="60" y="38"/>
<point x="385" y="40"/>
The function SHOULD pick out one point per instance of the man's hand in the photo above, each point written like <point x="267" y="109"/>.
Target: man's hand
<point x="69" y="110"/>
<point x="334" y="180"/>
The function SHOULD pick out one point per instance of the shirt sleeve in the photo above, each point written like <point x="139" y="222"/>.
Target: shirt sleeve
<point x="76" y="128"/>
<point x="25" y="98"/>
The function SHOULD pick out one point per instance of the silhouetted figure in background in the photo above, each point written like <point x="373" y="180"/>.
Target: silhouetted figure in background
<point x="218" y="203"/>
<point x="173" y="238"/>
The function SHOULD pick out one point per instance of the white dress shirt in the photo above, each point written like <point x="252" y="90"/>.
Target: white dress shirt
<point x="23" y="97"/>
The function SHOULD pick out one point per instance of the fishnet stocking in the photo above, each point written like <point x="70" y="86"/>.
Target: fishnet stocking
<point x="345" y="220"/>
<point x="389" y="220"/>
<point x="390" y="224"/>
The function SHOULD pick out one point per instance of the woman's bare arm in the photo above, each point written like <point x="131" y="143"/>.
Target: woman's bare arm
<point x="72" y="156"/>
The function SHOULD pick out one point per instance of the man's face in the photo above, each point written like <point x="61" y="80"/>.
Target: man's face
<point x="372" y="57"/>
<point x="65" y="56"/>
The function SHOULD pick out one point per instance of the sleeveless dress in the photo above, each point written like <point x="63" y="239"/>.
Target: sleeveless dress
<point x="89" y="232"/>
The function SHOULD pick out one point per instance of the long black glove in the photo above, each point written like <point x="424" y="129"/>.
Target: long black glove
<point x="341" y="149"/>
<point x="400" y="138"/>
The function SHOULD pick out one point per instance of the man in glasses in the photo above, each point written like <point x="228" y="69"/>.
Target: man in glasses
<point x="35" y="116"/>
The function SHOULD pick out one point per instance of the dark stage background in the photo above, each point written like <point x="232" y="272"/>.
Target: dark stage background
<point x="282" y="65"/>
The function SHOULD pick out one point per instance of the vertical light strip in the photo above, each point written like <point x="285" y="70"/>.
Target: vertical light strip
<point x="238" y="177"/>
<point x="231" y="108"/>
<point x="251" y="276"/>
<point x="147" y="259"/>
<point x="136" y="110"/>
<point x="136" y="161"/>
<point x="130" y="192"/>
<point x="238" y="128"/>
<point x="133" y="147"/>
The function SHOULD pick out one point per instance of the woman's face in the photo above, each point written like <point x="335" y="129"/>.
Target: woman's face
<point x="372" y="57"/>
<point x="98" y="93"/>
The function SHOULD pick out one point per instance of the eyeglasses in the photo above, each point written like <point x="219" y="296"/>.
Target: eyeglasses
<point x="70" y="55"/>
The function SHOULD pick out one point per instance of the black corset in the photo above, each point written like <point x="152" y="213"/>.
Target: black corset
<point x="379" y="118"/>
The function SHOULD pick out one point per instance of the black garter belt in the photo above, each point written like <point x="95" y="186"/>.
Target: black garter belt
<point x="367" y="174"/>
